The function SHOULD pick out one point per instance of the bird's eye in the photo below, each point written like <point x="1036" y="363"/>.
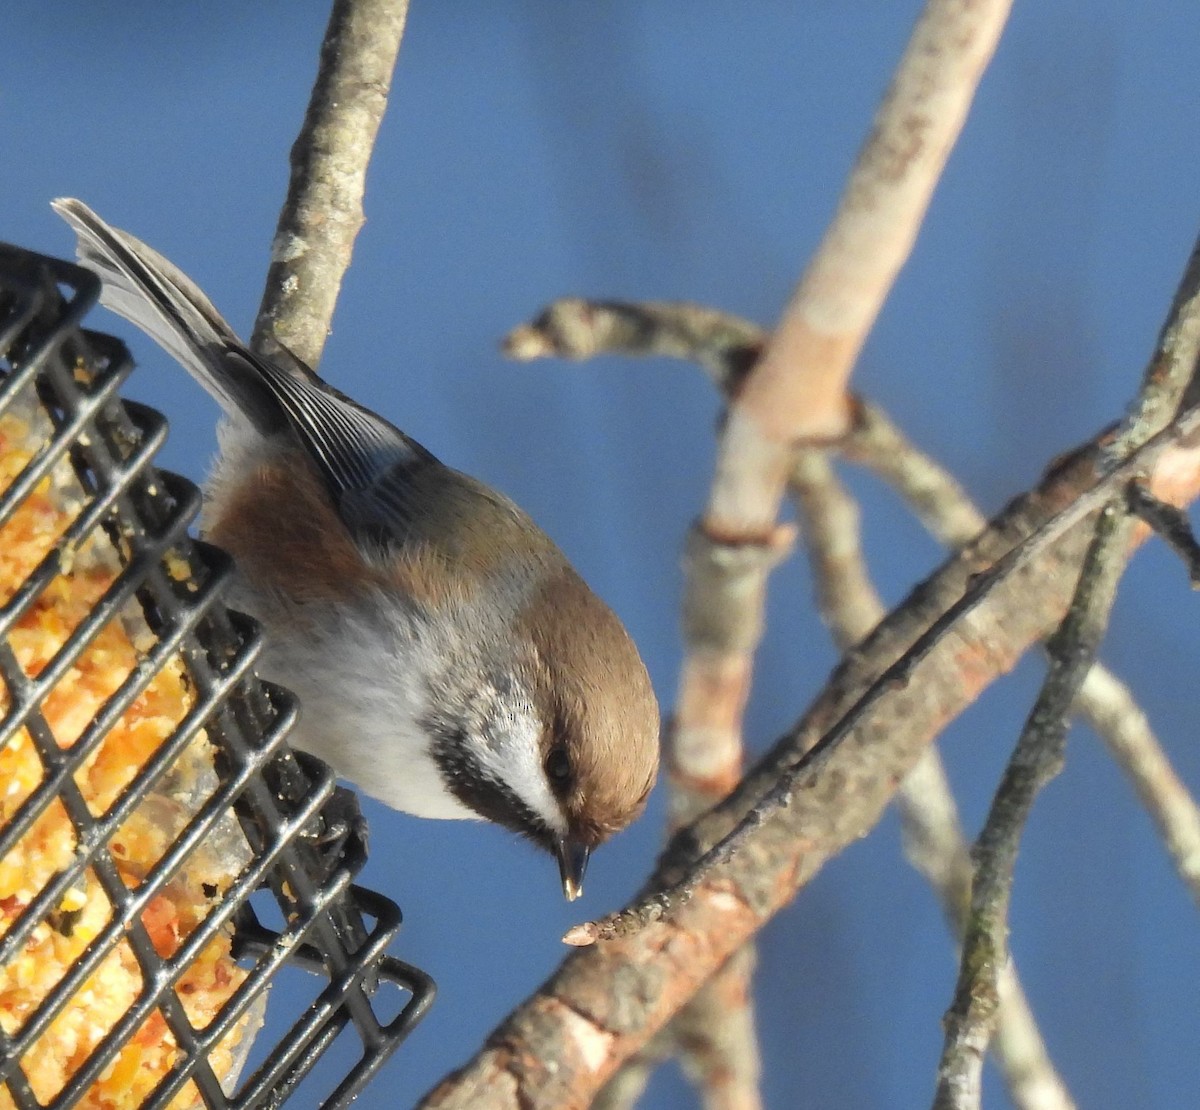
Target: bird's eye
<point x="558" y="767"/>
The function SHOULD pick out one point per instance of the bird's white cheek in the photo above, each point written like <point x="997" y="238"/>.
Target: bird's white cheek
<point x="514" y="758"/>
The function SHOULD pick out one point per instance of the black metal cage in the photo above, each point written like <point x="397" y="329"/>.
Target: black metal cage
<point x="138" y="874"/>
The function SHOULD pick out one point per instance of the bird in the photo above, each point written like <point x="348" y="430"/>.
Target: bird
<point x="448" y="659"/>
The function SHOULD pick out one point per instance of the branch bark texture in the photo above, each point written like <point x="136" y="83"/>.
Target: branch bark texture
<point x="323" y="212"/>
<point x="1037" y="758"/>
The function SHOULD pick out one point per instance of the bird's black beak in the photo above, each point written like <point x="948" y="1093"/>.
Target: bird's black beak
<point x="572" y="863"/>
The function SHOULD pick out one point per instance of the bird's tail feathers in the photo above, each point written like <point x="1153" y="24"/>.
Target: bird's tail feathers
<point x="155" y="295"/>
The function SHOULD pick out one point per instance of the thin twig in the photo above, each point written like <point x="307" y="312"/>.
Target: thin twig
<point x="1170" y="523"/>
<point x="1170" y="382"/>
<point x="1036" y="759"/>
<point x="725" y="346"/>
<point x="933" y="494"/>
<point x="933" y="838"/>
<point x="323" y="212"/>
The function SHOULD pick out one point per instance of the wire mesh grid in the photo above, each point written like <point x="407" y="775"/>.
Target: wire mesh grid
<point x="146" y="792"/>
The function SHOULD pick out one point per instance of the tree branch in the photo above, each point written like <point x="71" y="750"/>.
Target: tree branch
<point x="1037" y="758"/>
<point x="323" y="212"/>
<point x="1170" y="523"/>
<point x="933" y="839"/>
<point x="797" y="391"/>
<point x="607" y="1000"/>
<point x="725" y="346"/>
<point x="1104" y="701"/>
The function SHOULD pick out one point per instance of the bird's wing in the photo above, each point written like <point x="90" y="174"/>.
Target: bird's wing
<point x="351" y="445"/>
<point x="367" y="464"/>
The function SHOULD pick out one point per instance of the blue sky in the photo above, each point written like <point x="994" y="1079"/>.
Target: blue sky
<point x="656" y="150"/>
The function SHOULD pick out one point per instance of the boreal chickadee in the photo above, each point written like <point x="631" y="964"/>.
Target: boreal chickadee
<point x="448" y="659"/>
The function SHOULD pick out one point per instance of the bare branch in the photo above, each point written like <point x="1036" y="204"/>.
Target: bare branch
<point x="725" y="346"/>
<point x="323" y="212"/>
<point x="1036" y="759"/>
<point x="932" y="493"/>
<point x="1172" y="376"/>
<point x="1170" y="523"/>
<point x="797" y="391"/>
<point x="1171" y="383"/>
<point x="933" y="838"/>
